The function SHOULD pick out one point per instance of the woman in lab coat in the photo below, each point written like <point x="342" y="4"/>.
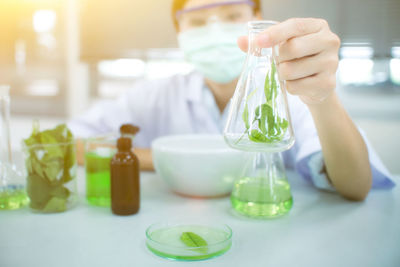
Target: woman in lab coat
<point x="330" y="151"/>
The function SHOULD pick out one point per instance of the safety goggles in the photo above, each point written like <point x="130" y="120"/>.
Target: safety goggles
<point x="202" y="7"/>
<point x="204" y="14"/>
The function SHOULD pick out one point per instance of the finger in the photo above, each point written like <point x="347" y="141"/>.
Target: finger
<point x="243" y="43"/>
<point x="302" y="46"/>
<point x="316" y="86"/>
<point x="307" y="66"/>
<point x="308" y="45"/>
<point x="290" y="28"/>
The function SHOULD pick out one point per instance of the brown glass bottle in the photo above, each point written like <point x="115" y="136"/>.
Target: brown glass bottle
<point x="125" y="184"/>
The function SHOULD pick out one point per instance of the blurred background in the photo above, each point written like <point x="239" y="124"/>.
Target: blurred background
<point x="61" y="56"/>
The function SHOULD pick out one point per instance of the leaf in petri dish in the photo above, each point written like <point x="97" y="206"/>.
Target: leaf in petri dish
<point x="193" y="240"/>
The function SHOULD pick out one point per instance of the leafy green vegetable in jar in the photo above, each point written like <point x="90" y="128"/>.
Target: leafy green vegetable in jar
<point x="267" y="126"/>
<point x="51" y="165"/>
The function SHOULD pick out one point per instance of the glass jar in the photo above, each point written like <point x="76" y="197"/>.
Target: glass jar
<point x="12" y="182"/>
<point x="51" y="176"/>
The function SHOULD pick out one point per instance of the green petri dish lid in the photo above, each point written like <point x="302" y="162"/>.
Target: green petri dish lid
<point x="188" y="241"/>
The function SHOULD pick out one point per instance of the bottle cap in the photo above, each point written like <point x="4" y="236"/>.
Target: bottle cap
<point x="124" y="143"/>
<point x="128" y="129"/>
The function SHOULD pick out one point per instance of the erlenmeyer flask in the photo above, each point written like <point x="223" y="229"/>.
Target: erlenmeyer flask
<point x="263" y="191"/>
<point x="259" y="117"/>
<point x="12" y="182"/>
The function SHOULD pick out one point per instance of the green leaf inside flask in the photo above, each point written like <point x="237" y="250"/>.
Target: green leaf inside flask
<point x="269" y="127"/>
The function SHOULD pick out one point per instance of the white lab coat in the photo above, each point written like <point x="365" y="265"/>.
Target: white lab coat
<point x="183" y="104"/>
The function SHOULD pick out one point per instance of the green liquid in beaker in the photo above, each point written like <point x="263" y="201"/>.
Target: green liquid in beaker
<point x="13" y="197"/>
<point x="98" y="178"/>
<point x="258" y="197"/>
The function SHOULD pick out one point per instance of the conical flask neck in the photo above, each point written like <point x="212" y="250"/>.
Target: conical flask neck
<point x="254" y="29"/>
<point x="269" y="166"/>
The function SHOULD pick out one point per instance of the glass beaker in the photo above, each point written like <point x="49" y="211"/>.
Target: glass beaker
<point x="263" y="191"/>
<point x="98" y="155"/>
<point x="50" y="160"/>
<point x="12" y="184"/>
<point x="259" y="118"/>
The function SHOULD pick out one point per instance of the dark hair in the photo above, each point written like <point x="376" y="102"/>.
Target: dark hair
<point x="180" y="4"/>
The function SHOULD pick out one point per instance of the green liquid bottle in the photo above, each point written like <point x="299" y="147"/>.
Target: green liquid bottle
<point x="98" y="177"/>
<point x="265" y="191"/>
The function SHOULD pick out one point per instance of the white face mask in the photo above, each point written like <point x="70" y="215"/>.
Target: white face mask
<point x="213" y="50"/>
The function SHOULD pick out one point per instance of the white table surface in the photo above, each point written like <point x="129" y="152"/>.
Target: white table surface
<point x="322" y="229"/>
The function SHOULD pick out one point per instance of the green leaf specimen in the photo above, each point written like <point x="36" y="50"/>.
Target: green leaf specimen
<point x="50" y="163"/>
<point x="193" y="240"/>
<point x="267" y="126"/>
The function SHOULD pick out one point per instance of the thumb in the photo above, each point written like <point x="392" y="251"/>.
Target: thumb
<point x="243" y="43"/>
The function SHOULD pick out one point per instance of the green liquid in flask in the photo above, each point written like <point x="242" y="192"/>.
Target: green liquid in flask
<point x="13" y="197"/>
<point x="98" y="178"/>
<point x="260" y="198"/>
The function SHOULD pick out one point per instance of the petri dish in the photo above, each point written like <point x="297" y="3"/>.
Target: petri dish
<point x="165" y="240"/>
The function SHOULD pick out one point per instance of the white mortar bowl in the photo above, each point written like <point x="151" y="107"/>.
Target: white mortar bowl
<point x="198" y="165"/>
